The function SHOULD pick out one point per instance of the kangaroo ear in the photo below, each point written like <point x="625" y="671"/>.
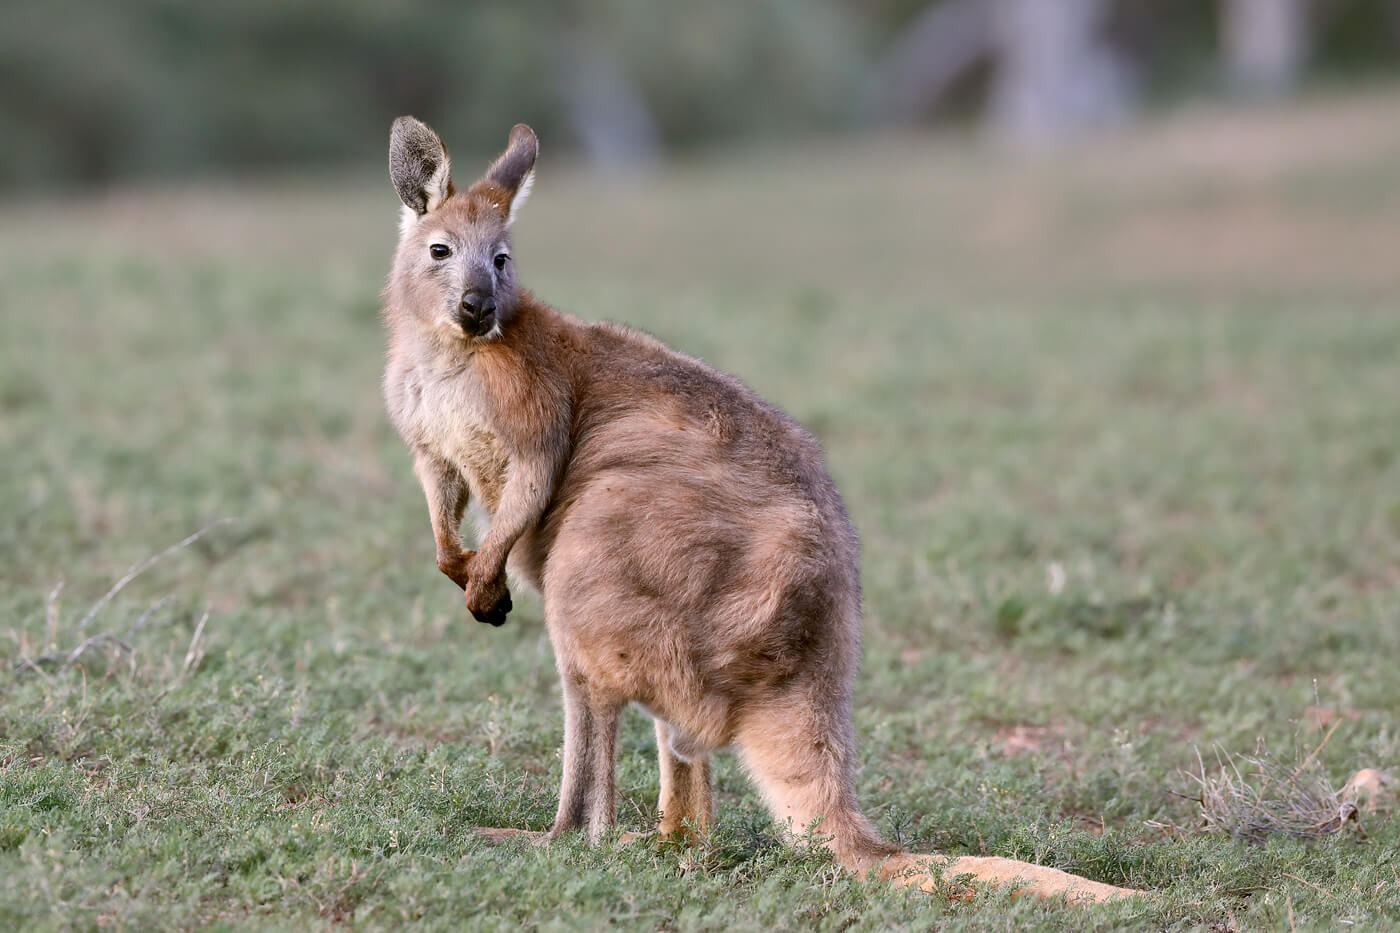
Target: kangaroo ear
<point x="515" y="169"/>
<point x="418" y="165"/>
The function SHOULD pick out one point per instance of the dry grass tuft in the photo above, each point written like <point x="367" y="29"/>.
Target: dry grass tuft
<point x="1252" y="797"/>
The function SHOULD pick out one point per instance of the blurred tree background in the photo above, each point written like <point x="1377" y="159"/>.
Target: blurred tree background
<point x="96" y="92"/>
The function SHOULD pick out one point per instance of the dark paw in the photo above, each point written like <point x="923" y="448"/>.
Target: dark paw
<point x="494" y="614"/>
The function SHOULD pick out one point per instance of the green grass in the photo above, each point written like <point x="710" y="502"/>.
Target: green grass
<point x="1168" y="364"/>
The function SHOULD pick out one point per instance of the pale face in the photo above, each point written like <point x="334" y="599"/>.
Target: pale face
<point x="456" y="260"/>
<point x="454" y="270"/>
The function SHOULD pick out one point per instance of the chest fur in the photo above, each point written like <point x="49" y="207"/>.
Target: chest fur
<point x="444" y="415"/>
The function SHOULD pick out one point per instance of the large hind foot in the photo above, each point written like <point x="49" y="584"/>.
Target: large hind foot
<point x="1020" y="878"/>
<point x="497" y="836"/>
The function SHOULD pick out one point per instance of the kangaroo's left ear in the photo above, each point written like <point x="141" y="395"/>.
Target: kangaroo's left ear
<point x="514" y="170"/>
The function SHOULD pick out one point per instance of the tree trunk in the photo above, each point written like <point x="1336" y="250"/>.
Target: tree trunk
<point x="1056" y="76"/>
<point x="1265" y="44"/>
<point x="930" y="54"/>
<point x="605" y="107"/>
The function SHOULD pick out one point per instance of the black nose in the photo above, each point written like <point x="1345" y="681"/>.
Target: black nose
<point x="478" y="306"/>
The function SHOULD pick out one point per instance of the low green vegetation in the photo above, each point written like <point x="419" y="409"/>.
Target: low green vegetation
<point x="1119" y="431"/>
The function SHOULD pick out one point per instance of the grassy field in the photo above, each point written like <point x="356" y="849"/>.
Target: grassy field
<point x="1120" y="430"/>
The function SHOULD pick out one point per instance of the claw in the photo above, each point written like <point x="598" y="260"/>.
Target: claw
<point x="491" y="617"/>
<point x="494" y="615"/>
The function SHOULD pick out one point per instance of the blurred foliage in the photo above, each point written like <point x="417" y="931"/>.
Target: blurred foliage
<point x="150" y="86"/>
<point x="95" y="91"/>
<point x="1176" y="44"/>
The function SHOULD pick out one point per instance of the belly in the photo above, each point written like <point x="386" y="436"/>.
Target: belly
<point x="441" y="416"/>
<point x="481" y="457"/>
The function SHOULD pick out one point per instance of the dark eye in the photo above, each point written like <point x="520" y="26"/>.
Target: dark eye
<point x="501" y="260"/>
<point x="439" y="251"/>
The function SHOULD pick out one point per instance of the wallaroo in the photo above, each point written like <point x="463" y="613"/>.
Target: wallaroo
<point x="692" y="553"/>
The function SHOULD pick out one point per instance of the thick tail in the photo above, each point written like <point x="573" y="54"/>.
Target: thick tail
<point x="802" y="759"/>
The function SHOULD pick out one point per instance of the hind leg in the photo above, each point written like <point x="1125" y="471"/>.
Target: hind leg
<point x="686" y="805"/>
<point x="587" y="796"/>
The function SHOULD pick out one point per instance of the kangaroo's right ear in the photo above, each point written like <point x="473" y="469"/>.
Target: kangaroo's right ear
<point x="418" y="165"/>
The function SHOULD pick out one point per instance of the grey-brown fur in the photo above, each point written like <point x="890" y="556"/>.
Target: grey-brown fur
<point x="692" y="552"/>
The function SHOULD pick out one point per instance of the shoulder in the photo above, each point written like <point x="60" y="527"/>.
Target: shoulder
<point x="617" y="335"/>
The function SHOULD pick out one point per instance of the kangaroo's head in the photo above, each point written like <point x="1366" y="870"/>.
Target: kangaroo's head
<point x="454" y="268"/>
